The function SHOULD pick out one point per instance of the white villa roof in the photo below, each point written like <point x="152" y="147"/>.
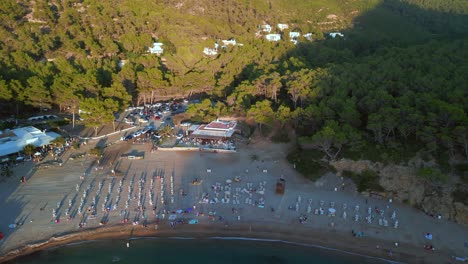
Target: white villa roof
<point x="157" y="48"/>
<point x="273" y="37"/>
<point x="334" y="34"/>
<point x="283" y="26"/>
<point x="209" y="51"/>
<point x="294" y="34"/>
<point x="14" y="141"/>
<point x="266" y="28"/>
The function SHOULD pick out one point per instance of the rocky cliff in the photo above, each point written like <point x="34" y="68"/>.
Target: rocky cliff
<point x="403" y="184"/>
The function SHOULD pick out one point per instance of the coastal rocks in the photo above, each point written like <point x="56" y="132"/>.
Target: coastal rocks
<point x="355" y="166"/>
<point x="461" y="211"/>
<point x="402" y="183"/>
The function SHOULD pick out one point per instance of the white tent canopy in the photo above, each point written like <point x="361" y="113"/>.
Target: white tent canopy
<point x="13" y="141"/>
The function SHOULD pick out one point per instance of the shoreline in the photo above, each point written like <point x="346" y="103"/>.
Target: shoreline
<point x="328" y="240"/>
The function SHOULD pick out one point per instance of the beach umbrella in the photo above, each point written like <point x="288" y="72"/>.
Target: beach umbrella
<point x="37" y="154"/>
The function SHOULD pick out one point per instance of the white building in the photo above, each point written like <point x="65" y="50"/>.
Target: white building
<point x="334" y="34"/>
<point x="13" y="141"/>
<point x="156" y="49"/>
<point x="210" y="51"/>
<point x="273" y="37"/>
<point x="308" y="36"/>
<point x="283" y="26"/>
<point x="122" y="63"/>
<point x="229" y="42"/>
<point x="266" y="28"/>
<point x="218" y="129"/>
<point x="294" y="35"/>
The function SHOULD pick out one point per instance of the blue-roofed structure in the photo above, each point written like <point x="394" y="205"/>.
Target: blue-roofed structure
<point x="13" y="141"/>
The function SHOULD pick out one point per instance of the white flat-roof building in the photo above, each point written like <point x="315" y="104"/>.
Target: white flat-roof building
<point x="210" y="51"/>
<point x="227" y="42"/>
<point x="156" y="49"/>
<point x="283" y="26"/>
<point x="308" y="36"/>
<point x="13" y="141"/>
<point x="273" y="37"/>
<point x="122" y="63"/>
<point x="334" y="34"/>
<point x="293" y="36"/>
<point x="266" y="28"/>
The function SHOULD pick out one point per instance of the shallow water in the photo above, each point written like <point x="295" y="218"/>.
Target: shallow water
<point x="204" y="251"/>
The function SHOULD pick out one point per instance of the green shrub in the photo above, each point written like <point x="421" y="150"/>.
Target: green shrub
<point x="281" y="136"/>
<point x="432" y="174"/>
<point x="76" y="145"/>
<point x="254" y="157"/>
<point x="308" y="163"/>
<point x="460" y="195"/>
<point x="367" y="180"/>
<point x="462" y="171"/>
<point x="6" y="172"/>
<point x="97" y="151"/>
<point x="58" y="123"/>
<point x="7" y="125"/>
<point x="266" y="130"/>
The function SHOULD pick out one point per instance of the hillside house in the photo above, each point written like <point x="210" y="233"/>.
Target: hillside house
<point x="273" y="37"/>
<point x="283" y="26"/>
<point x="229" y="42"/>
<point x="122" y="63"/>
<point x="210" y="51"/>
<point x="156" y="48"/>
<point x="334" y="34"/>
<point x="308" y="36"/>
<point x="266" y="28"/>
<point x="293" y="36"/>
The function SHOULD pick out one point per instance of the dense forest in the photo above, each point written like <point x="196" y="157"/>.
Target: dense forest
<point x="396" y="83"/>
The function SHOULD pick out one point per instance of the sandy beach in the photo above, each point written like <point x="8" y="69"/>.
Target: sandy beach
<point x="229" y="194"/>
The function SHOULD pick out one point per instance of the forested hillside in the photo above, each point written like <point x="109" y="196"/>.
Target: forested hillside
<point x="396" y="81"/>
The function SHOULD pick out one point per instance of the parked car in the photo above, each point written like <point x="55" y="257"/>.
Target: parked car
<point x="128" y="137"/>
<point x="146" y="129"/>
<point x="138" y="133"/>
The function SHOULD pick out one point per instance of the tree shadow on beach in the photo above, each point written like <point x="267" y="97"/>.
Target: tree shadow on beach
<point x="13" y="215"/>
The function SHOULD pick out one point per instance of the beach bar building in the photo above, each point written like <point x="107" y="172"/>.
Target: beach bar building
<point x="13" y="141"/>
<point x="216" y="130"/>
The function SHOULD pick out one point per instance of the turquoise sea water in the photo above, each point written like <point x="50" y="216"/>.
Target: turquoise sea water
<point x="187" y="251"/>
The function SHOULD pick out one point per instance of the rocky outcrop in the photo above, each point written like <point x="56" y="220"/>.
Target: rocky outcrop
<point x="401" y="183"/>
